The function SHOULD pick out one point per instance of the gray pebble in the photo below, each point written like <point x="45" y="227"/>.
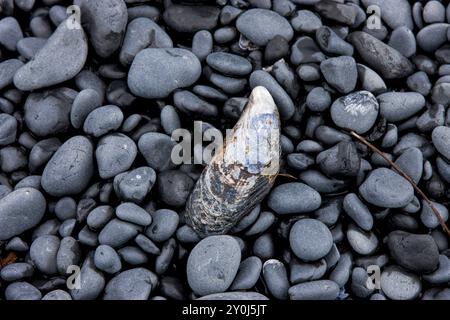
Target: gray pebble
<point x="70" y="168"/>
<point x="8" y="129"/>
<point x="163" y="226"/>
<point x="248" y="274"/>
<point x="305" y="21"/>
<point x="358" y="211"/>
<point x="60" y="59"/>
<point x="134" y="185"/>
<point x="229" y="64"/>
<point x="142" y="33"/>
<point x="69" y="254"/>
<point x="99" y="217"/>
<point x="411" y="162"/>
<point x="305" y="50"/>
<point x="275" y="277"/>
<point x="117" y="232"/>
<point x="22" y="291"/>
<point x="20" y="210"/>
<point x="441" y="140"/>
<point x="310" y="239"/>
<point x="331" y="43"/>
<point x="10" y="33"/>
<point x="202" y="44"/>
<point x="157" y="149"/>
<point x="340" y="73"/>
<point x="294" y="197"/>
<point x="133" y="255"/>
<point x="106" y="259"/>
<point x="57" y="295"/>
<point x="383" y="58"/>
<point x="174" y="187"/>
<point x="221" y="257"/>
<point x="387" y="189"/>
<point x="103" y="120"/>
<point x="115" y="154"/>
<point x="370" y="80"/>
<point x="130" y="212"/>
<point x="261" y="25"/>
<point x="362" y="242"/>
<point x="314" y="290"/>
<point x="155" y="72"/>
<point x="16" y="271"/>
<point x="340" y="161"/>
<point x="47" y="112"/>
<point x="431" y="37"/>
<point x="402" y="39"/>
<point x="106" y="22"/>
<point x="7" y="70"/>
<point x="245" y="296"/>
<point x="398" y="284"/>
<point x="43" y="253"/>
<point x="416" y="252"/>
<point x="190" y="19"/>
<point x="92" y="281"/>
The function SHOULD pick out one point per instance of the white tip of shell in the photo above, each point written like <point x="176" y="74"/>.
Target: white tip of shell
<point x="261" y="97"/>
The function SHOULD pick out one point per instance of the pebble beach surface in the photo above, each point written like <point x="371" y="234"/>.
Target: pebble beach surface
<point x="91" y="95"/>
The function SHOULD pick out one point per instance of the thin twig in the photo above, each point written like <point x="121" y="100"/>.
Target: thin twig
<point x="407" y="177"/>
<point x="10" y="258"/>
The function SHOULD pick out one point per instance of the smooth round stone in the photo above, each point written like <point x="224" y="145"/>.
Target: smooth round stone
<point x="248" y="274"/>
<point x="117" y="232"/>
<point x="133" y="255"/>
<point x="310" y="239"/>
<point x="16" y="271"/>
<point x="47" y="113"/>
<point x="428" y="217"/>
<point x="42" y="152"/>
<point x="170" y="121"/>
<point x="157" y="150"/>
<point x="66" y="228"/>
<point x="12" y="159"/>
<point x="395" y="13"/>
<point x="155" y="72"/>
<point x="202" y="44"/>
<point x="70" y="168"/>
<point x="277" y="48"/>
<point x="441" y="140"/>
<point x="57" y="295"/>
<point x="65" y="208"/>
<point x="275" y="277"/>
<point x="411" y="162"/>
<point x="390" y="63"/>
<point x="442" y="274"/>
<point x="402" y="39"/>
<point x="89" y="80"/>
<point x="433" y="11"/>
<point x="213" y="264"/>
<point x="60" y="59"/>
<point x="106" y="259"/>
<point x="318" y="99"/>
<point x="293" y="197"/>
<point x="20" y="210"/>
<point x="99" y="217"/>
<point x="370" y="80"/>
<point x="362" y="242"/>
<point x="331" y="43"/>
<point x="315" y="290"/>
<point x="133" y="213"/>
<point x="398" y="284"/>
<point x="398" y="106"/>
<point x="303" y="272"/>
<point x="431" y="37"/>
<point x="22" y="291"/>
<point x="103" y="120"/>
<point x="305" y="21"/>
<point x="340" y="72"/>
<point x="163" y="226"/>
<point x="440" y="93"/>
<point x="419" y="82"/>
<point x="133" y="284"/>
<point x="7" y="70"/>
<point x="229" y="64"/>
<point x="106" y="22"/>
<point x="190" y="19"/>
<point x="8" y="129"/>
<point x="142" y="33"/>
<point x="69" y="254"/>
<point x="92" y="281"/>
<point x="245" y="296"/>
<point x="261" y="25"/>
<point x="17" y="244"/>
<point x="43" y="252"/>
<point x="387" y="189"/>
<point x="189" y="103"/>
<point x="341" y="273"/>
<point x="134" y="185"/>
<point x="358" y="211"/>
<point x="225" y="34"/>
<point x="10" y="33"/>
<point x="415" y="252"/>
<point x="147" y="245"/>
<point x="115" y="153"/>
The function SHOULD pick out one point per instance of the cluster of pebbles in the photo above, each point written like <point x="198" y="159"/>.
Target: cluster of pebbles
<point x="87" y="109"/>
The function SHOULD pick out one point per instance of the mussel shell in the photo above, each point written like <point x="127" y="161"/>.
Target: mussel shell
<point x="241" y="173"/>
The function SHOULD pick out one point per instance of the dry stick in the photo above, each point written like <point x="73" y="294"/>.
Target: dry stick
<point x="404" y="175"/>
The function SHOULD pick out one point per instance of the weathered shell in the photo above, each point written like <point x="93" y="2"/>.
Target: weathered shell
<point x="241" y="173"/>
